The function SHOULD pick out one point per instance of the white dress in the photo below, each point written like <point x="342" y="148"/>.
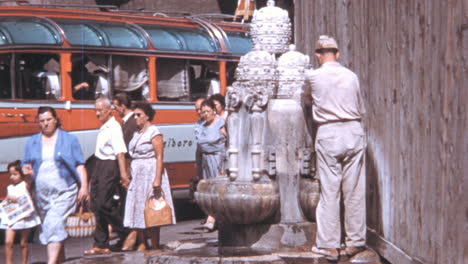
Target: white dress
<point x="27" y="222"/>
<point x="143" y="171"/>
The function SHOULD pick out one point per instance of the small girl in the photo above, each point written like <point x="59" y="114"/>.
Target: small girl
<point x="18" y="188"/>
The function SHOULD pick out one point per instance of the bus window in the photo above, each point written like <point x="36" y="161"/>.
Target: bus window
<point x="206" y="79"/>
<point x="173" y="80"/>
<point x="5" y="78"/>
<point x="37" y="76"/>
<point x="89" y="76"/>
<point x="186" y="80"/>
<point x="130" y="75"/>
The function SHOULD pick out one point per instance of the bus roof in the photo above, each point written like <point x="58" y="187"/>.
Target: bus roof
<point x="51" y="27"/>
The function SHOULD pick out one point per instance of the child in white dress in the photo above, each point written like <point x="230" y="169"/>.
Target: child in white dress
<point x="16" y="189"/>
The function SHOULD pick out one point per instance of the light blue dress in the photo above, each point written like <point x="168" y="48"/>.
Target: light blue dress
<point x="212" y="146"/>
<point x="55" y="199"/>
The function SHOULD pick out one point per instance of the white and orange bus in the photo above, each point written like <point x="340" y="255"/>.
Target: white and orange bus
<point x="45" y="52"/>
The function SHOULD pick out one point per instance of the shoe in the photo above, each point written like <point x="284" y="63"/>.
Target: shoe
<point x="328" y="253"/>
<point x="97" y="251"/>
<point x="126" y="249"/>
<point x="351" y="251"/>
<point x="129" y="242"/>
<point x="141" y="247"/>
<point x="209" y="227"/>
<point x="113" y="235"/>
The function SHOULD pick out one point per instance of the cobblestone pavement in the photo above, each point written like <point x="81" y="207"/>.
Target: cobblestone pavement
<point x="184" y="243"/>
<point x="74" y="247"/>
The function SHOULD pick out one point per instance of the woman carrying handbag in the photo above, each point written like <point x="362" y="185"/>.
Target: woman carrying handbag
<point x="149" y="178"/>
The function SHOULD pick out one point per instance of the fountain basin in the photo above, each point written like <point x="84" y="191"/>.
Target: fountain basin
<point x="238" y="202"/>
<point x="309" y="195"/>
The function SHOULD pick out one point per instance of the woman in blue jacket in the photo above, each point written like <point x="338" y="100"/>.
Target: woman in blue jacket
<point x="55" y="161"/>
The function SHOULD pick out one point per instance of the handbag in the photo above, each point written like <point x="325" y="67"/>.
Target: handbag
<point x="80" y="223"/>
<point x="157" y="212"/>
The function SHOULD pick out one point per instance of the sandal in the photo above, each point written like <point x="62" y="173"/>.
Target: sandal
<point x="351" y="251"/>
<point x="129" y="242"/>
<point x="97" y="251"/>
<point x="328" y="253"/>
<point x="141" y="247"/>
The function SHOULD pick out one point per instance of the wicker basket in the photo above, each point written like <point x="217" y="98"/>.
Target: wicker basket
<point x="81" y="224"/>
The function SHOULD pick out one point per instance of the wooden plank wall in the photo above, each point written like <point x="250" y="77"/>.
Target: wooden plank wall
<point x="412" y="60"/>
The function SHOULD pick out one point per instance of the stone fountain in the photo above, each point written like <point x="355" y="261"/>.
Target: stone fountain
<point x="267" y="203"/>
<point x="270" y="147"/>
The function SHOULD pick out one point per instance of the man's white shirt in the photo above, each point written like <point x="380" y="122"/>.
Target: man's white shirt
<point x="126" y="117"/>
<point x="110" y="141"/>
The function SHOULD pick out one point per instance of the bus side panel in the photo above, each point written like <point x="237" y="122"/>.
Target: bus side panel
<point x="19" y="122"/>
<point x="179" y="174"/>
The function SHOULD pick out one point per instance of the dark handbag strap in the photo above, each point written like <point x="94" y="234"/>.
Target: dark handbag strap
<point x="82" y="207"/>
<point x="162" y="197"/>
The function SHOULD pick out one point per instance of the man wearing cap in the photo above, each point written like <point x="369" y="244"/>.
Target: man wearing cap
<point x="337" y="109"/>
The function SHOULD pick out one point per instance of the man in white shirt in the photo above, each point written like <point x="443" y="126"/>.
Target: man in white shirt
<point x="108" y="171"/>
<point x="340" y="145"/>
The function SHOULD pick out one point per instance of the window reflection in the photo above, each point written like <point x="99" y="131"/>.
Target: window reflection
<point x="131" y="76"/>
<point x="5" y="79"/>
<point x="89" y="76"/>
<point x="185" y="80"/>
<point x="37" y="76"/>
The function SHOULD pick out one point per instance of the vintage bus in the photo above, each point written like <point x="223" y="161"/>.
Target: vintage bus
<point x="47" y="52"/>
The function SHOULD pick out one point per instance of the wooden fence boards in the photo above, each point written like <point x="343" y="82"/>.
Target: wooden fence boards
<point x="412" y="62"/>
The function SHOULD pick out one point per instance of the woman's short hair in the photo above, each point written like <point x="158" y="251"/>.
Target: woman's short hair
<point x="146" y="107"/>
<point x="209" y="103"/>
<point x="220" y="98"/>
<point x="17" y="165"/>
<point x="44" y="109"/>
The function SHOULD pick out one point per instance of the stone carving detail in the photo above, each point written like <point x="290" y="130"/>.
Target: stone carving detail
<point x="254" y="87"/>
<point x="271" y="28"/>
<point x="234" y="101"/>
<point x="291" y="69"/>
<point x="256" y="73"/>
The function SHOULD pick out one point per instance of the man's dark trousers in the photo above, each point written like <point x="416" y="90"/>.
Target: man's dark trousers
<point x="105" y="183"/>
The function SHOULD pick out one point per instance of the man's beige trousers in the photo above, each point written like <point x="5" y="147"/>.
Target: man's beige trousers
<point x="340" y="167"/>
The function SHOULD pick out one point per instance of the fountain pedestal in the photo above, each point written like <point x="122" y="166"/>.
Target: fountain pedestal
<point x="268" y="237"/>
